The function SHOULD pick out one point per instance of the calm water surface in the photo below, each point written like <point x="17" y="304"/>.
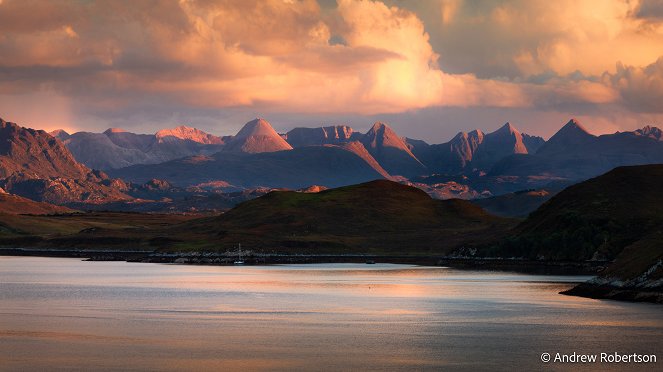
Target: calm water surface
<point x="66" y="314"/>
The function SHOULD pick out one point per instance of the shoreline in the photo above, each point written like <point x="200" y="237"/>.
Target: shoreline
<point x="213" y="258"/>
<point x="586" y="289"/>
<point x="606" y="292"/>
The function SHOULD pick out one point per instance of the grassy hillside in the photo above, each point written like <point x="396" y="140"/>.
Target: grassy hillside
<point x="97" y="230"/>
<point x="516" y="204"/>
<point x="596" y="218"/>
<point x="377" y="217"/>
<point x="14" y="204"/>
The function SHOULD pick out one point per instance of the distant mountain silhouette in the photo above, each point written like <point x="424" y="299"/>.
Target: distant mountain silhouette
<point x="650" y="132"/>
<point x="570" y="138"/>
<point x="574" y="153"/>
<point x="328" y="165"/>
<point x="189" y="134"/>
<point x="332" y="135"/>
<point x="116" y="148"/>
<point x="257" y="136"/>
<point x="476" y="150"/>
<point x="391" y="151"/>
<point x="505" y="141"/>
<point x="470" y="165"/>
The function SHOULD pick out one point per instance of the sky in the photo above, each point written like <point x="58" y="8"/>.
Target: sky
<point x="427" y="68"/>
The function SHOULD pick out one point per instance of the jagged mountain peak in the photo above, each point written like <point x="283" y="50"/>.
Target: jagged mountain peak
<point x="507" y="127"/>
<point x="474" y="136"/>
<point x="505" y="140"/>
<point x="476" y="133"/>
<point x="381" y="135"/>
<point x="391" y="151"/>
<point x="571" y="136"/>
<point x="378" y="125"/>
<point x="573" y="126"/>
<point x="188" y="133"/>
<point x="298" y="137"/>
<point x="4" y="123"/>
<point x="461" y="136"/>
<point x="572" y="129"/>
<point x="651" y="132"/>
<point x="382" y="129"/>
<point x="60" y="134"/>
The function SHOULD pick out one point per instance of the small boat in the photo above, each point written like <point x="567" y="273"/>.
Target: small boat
<point x="239" y="259"/>
<point x="370" y="262"/>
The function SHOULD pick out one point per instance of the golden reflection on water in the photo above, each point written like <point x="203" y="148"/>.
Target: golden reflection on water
<point x="116" y="316"/>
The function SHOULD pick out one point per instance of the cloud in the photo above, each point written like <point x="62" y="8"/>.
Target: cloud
<point x="650" y="10"/>
<point x="519" y="38"/>
<point x="271" y="54"/>
<point x="640" y="87"/>
<point x="154" y="59"/>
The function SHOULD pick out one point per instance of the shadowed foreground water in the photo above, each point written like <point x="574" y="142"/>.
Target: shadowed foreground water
<point x="66" y="314"/>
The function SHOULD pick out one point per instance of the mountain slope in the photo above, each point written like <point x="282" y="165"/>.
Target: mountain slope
<point x="571" y="137"/>
<point x="35" y="154"/>
<point x="117" y="148"/>
<point x="14" y="204"/>
<point x="332" y="135"/>
<point x="190" y="134"/>
<point x="505" y="141"/>
<point x="358" y="149"/>
<point x="649" y="132"/>
<point x="515" y="204"/>
<point x="35" y="165"/>
<point x="98" y="151"/>
<point x="575" y="154"/>
<point x="329" y="166"/>
<point x="391" y="151"/>
<point x="616" y="215"/>
<point x="453" y="156"/>
<point x="476" y="150"/>
<point x="374" y="217"/>
<point x="257" y="136"/>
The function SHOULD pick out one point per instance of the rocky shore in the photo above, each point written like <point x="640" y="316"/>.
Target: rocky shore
<point x="654" y="295"/>
<point x="646" y="287"/>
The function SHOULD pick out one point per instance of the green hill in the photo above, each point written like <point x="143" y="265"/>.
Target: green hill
<point x="593" y="219"/>
<point x="374" y="217"/>
<point x="516" y="204"/>
<point x="617" y="216"/>
<point x="14" y="204"/>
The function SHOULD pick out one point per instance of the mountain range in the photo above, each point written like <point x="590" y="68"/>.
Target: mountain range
<point x="116" y="148"/>
<point x="573" y="153"/>
<point x="113" y="166"/>
<point x="471" y="165"/>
